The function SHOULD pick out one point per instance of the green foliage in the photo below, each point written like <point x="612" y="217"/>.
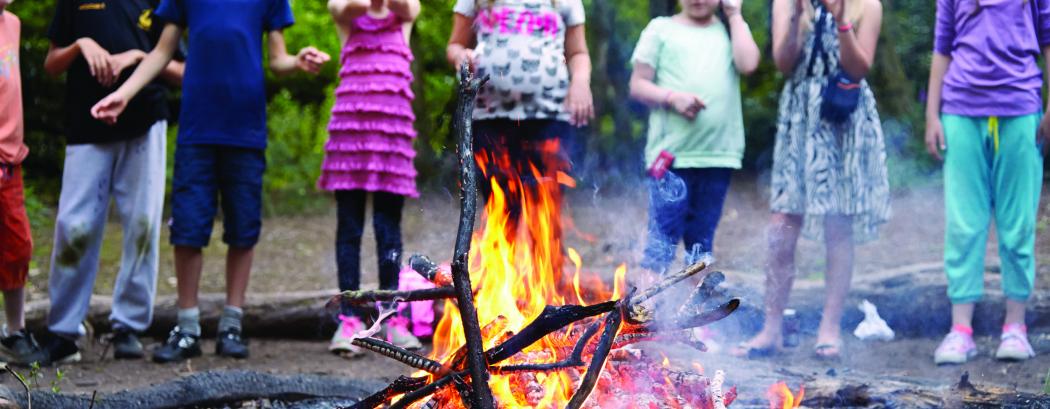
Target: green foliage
<point x="299" y="104"/>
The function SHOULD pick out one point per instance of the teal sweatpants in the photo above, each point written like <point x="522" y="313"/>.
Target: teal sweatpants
<point x="992" y="167"/>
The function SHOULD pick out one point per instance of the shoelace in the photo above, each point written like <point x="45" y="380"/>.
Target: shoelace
<point x="1018" y="340"/>
<point x="956" y="342"/>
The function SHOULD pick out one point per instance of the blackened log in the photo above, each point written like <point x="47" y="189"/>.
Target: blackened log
<point x="550" y="320"/>
<point x="399" y="354"/>
<point x="402" y="384"/>
<point x="601" y="355"/>
<point x="468" y="194"/>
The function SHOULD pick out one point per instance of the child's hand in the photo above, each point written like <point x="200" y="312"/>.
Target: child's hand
<point x="686" y="104"/>
<point x="109" y="108"/>
<point x="466" y="56"/>
<point x="935" y="137"/>
<point x="311" y="59"/>
<point x="98" y="61"/>
<point x="121" y="62"/>
<point x="580" y="103"/>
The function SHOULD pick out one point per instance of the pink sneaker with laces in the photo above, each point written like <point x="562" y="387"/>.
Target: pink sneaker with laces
<point x="341" y="340"/>
<point x="397" y="333"/>
<point x="957" y="347"/>
<point x="1014" y="344"/>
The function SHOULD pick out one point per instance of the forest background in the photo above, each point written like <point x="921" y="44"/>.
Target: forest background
<point x="609" y="153"/>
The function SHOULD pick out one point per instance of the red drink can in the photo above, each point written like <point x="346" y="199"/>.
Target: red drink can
<point x="661" y="165"/>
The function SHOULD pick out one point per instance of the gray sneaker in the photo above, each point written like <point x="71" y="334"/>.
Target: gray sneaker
<point x="20" y="348"/>
<point x="126" y="345"/>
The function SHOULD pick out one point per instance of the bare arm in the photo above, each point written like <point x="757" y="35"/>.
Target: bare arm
<point x="857" y="46"/>
<point x="173" y="73"/>
<point x="407" y="10"/>
<point x="746" y="54"/>
<point x="460" y="41"/>
<point x="308" y="59"/>
<point x="99" y="61"/>
<point x="110" y="107"/>
<point x="934" y="130"/>
<point x="345" y="11"/>
<point x="1044" y="124"/>
<point x="647" y="92"/>
<point x="579" y="101"/>
<point x="787" y="34"/>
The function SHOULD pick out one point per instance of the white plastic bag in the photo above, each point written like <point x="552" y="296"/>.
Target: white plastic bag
<point x="873" y="327"/>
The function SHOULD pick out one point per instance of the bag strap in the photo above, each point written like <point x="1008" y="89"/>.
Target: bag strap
<point x="818" y="41"/>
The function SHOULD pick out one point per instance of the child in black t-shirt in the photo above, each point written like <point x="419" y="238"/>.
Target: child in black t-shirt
<point x="96" y="43"/>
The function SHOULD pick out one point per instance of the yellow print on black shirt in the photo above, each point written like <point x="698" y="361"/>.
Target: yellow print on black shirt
<point x="92" y="6"/>
<point x="146" y="19"/>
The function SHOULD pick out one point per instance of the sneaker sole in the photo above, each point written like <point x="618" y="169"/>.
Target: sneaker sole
<point x="1012" y="356"/>
<point x="122" y="355"/>
<point x="168" y="361"/>
<point x="75" y="357"/>
<point x="955" y="360"/>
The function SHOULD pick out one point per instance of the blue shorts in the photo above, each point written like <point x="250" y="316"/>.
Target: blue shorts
<point x="203" y="174"/>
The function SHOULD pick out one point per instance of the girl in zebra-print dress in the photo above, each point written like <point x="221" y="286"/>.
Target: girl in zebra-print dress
<point x="829" y="180"/>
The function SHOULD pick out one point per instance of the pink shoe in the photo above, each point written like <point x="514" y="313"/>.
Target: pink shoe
<point x="957" y="347"/>
<point x="397" y="333"/>
<point x="1014" y="344"/>
<point x="341" y="340"/>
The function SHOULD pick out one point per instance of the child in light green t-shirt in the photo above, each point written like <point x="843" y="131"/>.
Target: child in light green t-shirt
<point x="687" y="69"/>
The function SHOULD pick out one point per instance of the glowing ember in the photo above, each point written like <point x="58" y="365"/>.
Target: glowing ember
<point x="780" y="396"/>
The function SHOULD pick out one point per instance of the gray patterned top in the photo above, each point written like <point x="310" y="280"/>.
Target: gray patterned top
<point x="521" y="46"/>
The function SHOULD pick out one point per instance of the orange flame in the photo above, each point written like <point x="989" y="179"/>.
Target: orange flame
<point x="516" y="265"/>
<point x="781" y="397"/>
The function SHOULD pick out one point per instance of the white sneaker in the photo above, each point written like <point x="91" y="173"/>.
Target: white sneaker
<point x="341" y="345"/>
<point x="1014" y="344"/>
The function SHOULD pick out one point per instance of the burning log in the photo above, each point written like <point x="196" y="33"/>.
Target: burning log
<point x="401" y="385"/>
<point x="601" y="354"/>
<point x="429" y="270"/>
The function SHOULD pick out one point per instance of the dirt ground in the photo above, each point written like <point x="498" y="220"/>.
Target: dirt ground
<point x="296" y="254"/>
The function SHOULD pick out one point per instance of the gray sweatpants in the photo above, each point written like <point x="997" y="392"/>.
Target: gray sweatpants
<point x="132" y="173"/>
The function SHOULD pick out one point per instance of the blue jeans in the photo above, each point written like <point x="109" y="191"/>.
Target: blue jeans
<point x="203" y="174"/>
<point x="684" y="206"/>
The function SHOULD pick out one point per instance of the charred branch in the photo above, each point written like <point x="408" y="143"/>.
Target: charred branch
<point x="638" y="313"/>
<point x="401" y="385"/>
<point x="398" y="354"/>
<point x="702" y="293"/>
<point x="574" y="360"/>
<point x="601" y="355"/>
<point x="361" y="297"/>
<point x="468" y="194"/>
<point x="550" y="320"/>
<point x="429" y="270"/>
<point x="429" y="389"/>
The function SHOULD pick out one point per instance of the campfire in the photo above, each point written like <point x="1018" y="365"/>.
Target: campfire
<point x="517" y="332"/>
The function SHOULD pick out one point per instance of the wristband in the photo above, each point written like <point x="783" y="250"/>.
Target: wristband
<point x="845" y="28"/>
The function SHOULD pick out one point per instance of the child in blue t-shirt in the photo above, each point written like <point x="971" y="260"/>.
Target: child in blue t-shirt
<point x="221" y="144"/>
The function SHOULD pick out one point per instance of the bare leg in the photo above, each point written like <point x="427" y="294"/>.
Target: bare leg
<point x="238" y="269"/>
<point x="1014" y="312"/>
<point x="838" y="237"/>
<point x="188" y="264"/>
<point x="962" y="314"/>
<point x="14" y="307"/>
<point x="783" y="238"/>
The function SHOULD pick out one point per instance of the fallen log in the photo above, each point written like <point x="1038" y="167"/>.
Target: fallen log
<point x="289" y="315"/>
<point x="901" y="295"/>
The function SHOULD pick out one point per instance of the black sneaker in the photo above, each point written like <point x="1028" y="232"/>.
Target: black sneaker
<point x="60" y="350"/>
<point x="20" y="348"/>
<point x="126" y="345"/>
<point x="231" y="345"/>
<point x="180" y="346"/>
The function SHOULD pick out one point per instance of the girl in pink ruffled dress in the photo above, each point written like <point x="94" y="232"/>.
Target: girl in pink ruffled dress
<point x="369" y="148"/>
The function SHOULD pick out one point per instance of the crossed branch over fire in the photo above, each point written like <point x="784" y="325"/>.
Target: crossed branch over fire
<point x="622" y="322"/>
